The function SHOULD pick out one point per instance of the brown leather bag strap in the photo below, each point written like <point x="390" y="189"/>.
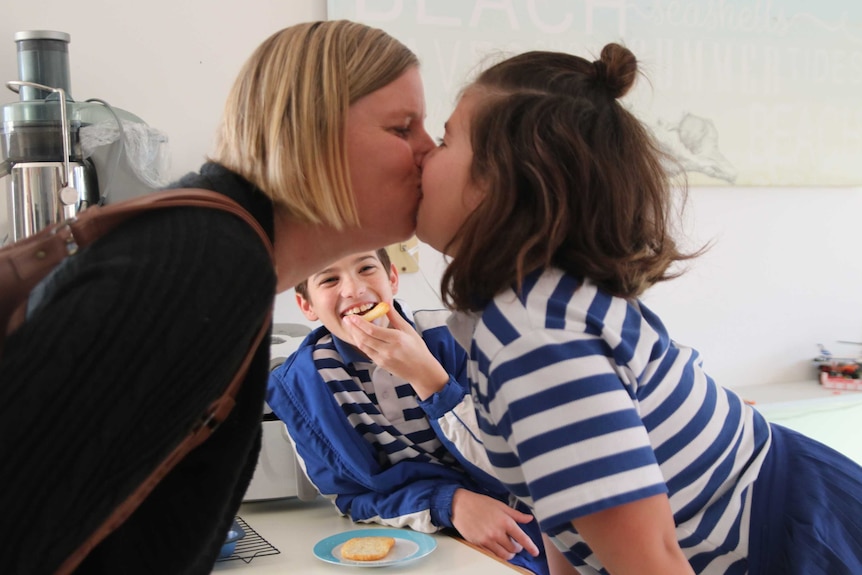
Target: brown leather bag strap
<point x="24" y="263"/>
<point x="22" y="266"/>
<point x="96" y="221"/>
<point x="210" y="420"/>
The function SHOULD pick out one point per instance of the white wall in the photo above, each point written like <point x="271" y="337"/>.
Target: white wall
<point x="171" y="62"/>
<point x="784" y="274"/>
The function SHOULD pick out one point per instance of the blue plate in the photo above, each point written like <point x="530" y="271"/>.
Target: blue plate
<point x="409" y="546"/>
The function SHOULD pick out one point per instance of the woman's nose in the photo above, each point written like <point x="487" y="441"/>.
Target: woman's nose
<point x="425" y="144"/>
<point x="425" y="160"/>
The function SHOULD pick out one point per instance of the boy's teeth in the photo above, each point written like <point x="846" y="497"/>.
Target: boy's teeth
<point x="360" y="309"/>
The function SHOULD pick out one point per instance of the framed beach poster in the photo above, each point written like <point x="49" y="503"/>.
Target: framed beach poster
<point x="742" y="92"/>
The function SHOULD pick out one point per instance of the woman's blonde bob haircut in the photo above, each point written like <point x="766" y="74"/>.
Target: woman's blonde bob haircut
<point x="285" y="118"/>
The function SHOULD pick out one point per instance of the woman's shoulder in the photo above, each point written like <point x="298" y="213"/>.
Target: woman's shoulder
<point x="217" y="178"/>
<point x="206" y="240"/>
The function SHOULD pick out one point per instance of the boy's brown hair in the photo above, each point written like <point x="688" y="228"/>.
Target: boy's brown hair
<point x="302" y="287"/>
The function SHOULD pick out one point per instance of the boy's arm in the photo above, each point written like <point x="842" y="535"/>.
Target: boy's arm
<point x="421" y="495"/>
<point x="435" y="365"/>
<point x="423" y="504"/>
<point x="343" y="466"/>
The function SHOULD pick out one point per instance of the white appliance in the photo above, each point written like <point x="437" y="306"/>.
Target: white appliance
<point x="278" y="473"/>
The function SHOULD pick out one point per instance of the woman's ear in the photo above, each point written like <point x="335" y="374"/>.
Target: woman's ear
<point x="306" y="308"/>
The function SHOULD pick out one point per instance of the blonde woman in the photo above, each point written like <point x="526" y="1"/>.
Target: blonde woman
<point x="321" y="141"/>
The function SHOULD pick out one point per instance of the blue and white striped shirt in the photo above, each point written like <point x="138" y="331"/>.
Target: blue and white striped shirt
<point x="382" y="407"/>
<point x="585" y="403"/>
<point x="362" y="442"/>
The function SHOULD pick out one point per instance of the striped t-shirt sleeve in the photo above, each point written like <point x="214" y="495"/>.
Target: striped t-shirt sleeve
<point x="585" y="403"/>
<point x="579" y="441"/>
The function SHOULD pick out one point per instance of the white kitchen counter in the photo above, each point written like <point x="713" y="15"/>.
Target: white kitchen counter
<point x="776" y="393"/>
<point x="831" y="416"/>
<point x="293" y="527"/>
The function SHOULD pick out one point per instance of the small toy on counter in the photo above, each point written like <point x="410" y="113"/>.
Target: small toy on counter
<point x="839" y="372"/>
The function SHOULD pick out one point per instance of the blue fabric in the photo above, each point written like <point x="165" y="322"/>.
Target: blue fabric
<point x="806" y="515"/>
<point x="342" y="464"/>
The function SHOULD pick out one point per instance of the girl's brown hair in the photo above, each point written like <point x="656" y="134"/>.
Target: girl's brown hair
<point x="572" y="179"/>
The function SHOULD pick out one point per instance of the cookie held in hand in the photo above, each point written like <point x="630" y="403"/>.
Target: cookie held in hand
<point x="367" y="548"/>
<point x="379" y="310"/>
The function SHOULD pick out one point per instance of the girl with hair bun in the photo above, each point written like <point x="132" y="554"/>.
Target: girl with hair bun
<point x="552" y="201"/>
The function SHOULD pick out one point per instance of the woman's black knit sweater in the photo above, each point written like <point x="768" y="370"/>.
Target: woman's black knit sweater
<point x="127" y="344"/>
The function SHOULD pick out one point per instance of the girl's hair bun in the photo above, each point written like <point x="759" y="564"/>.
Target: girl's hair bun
<point x="616" y="69"/>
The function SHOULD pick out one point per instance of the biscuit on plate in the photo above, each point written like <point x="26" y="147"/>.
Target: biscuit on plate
<point x="367" y="548"/>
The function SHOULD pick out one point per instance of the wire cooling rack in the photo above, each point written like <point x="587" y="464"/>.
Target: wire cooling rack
<point x="250" y="546"/>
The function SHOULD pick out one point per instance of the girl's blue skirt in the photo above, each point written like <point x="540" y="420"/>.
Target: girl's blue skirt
<point x="806" y="515"/>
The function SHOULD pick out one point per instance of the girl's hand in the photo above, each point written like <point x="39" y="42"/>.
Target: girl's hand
<point x="399" y="349"/>
<point x="491" y="524"/>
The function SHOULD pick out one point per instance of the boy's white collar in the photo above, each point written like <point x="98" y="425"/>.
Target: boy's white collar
<point x="462" y="325"/>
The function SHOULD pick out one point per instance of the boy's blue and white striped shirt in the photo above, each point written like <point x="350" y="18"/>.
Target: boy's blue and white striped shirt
<point x="381" y="407"/>
<point x="585" y="404"/>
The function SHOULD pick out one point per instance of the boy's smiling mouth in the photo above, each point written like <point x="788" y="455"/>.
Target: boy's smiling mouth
<point x="359" y="309"/>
